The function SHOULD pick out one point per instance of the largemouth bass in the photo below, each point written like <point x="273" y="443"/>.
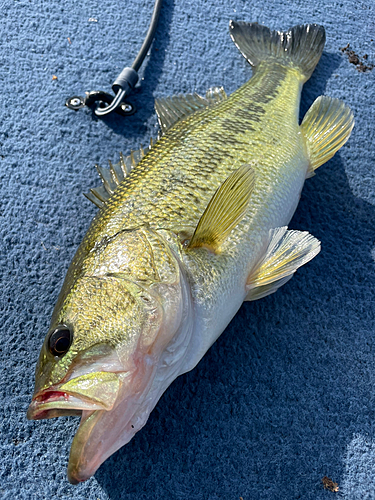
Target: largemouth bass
<point x="187" y="230"/>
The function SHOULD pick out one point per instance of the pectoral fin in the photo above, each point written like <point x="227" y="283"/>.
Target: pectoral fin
<point x="286" y="252"/>
<point x="326" y="126"/>
<point x="225" y="210"/>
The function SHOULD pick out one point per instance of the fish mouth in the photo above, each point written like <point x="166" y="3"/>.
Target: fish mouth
<point x="55" y="403"/>
<point x="100" y="399"/>
<point x="90" y="392"/>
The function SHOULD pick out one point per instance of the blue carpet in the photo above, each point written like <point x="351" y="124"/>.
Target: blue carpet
<point x="285" y="396"/>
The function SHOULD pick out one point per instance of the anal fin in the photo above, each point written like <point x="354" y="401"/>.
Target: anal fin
<point x="326" y="127"/>
<point x="286" y="252"/>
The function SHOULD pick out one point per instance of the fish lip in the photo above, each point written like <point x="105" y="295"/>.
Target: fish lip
<point x="52" y="403"/>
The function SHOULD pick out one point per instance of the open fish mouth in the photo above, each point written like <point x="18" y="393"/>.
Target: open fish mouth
<point x="90" y="392"/>
<point x="106" y="403"/>
<point x="55" y="403"/>
<point x="88" y="396"/>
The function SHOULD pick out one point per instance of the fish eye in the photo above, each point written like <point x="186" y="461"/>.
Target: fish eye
<point x="60" y="340"/>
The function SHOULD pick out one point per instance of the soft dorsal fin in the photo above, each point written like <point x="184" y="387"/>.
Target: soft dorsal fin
<point x="326" y="127"/>
<point x="225" y="210"/>
<point x="172" y="109"/>
<point x="286" y="252"/>
<point x="111" y="177"/>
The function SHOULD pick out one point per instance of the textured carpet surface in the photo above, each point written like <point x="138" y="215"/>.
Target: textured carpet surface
<point x="286" y="395"/>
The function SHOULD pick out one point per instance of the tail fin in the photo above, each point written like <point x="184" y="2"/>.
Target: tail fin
<point x="300" y="47"/>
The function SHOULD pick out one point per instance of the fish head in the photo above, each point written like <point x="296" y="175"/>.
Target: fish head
<point x="112" y="321"/>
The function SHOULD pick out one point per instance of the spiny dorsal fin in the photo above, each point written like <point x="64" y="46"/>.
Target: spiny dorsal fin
<point x="115" y="174"/>
<point x="172" y="109"/>
<point x="326" y="126"/>
<point x="225" y="210"/>
<point x="286" y="252"/>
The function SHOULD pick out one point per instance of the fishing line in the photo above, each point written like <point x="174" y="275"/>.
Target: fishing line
<point x="106" y="103"/>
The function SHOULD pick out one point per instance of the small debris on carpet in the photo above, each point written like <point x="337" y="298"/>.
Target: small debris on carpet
<point x="329" y="484"/>
<point x="356" y="59"/>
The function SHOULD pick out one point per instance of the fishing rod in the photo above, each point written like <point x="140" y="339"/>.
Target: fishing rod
<point x="105" y="102"/>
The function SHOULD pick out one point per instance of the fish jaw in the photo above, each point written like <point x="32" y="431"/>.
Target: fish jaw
<point x="106" y="402"/>
<point x="102" y="432"/>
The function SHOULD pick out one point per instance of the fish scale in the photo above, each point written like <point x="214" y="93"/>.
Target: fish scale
<point x="158" y="192"/>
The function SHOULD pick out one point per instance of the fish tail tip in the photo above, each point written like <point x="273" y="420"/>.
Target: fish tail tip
<point x="300" y="47"/>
